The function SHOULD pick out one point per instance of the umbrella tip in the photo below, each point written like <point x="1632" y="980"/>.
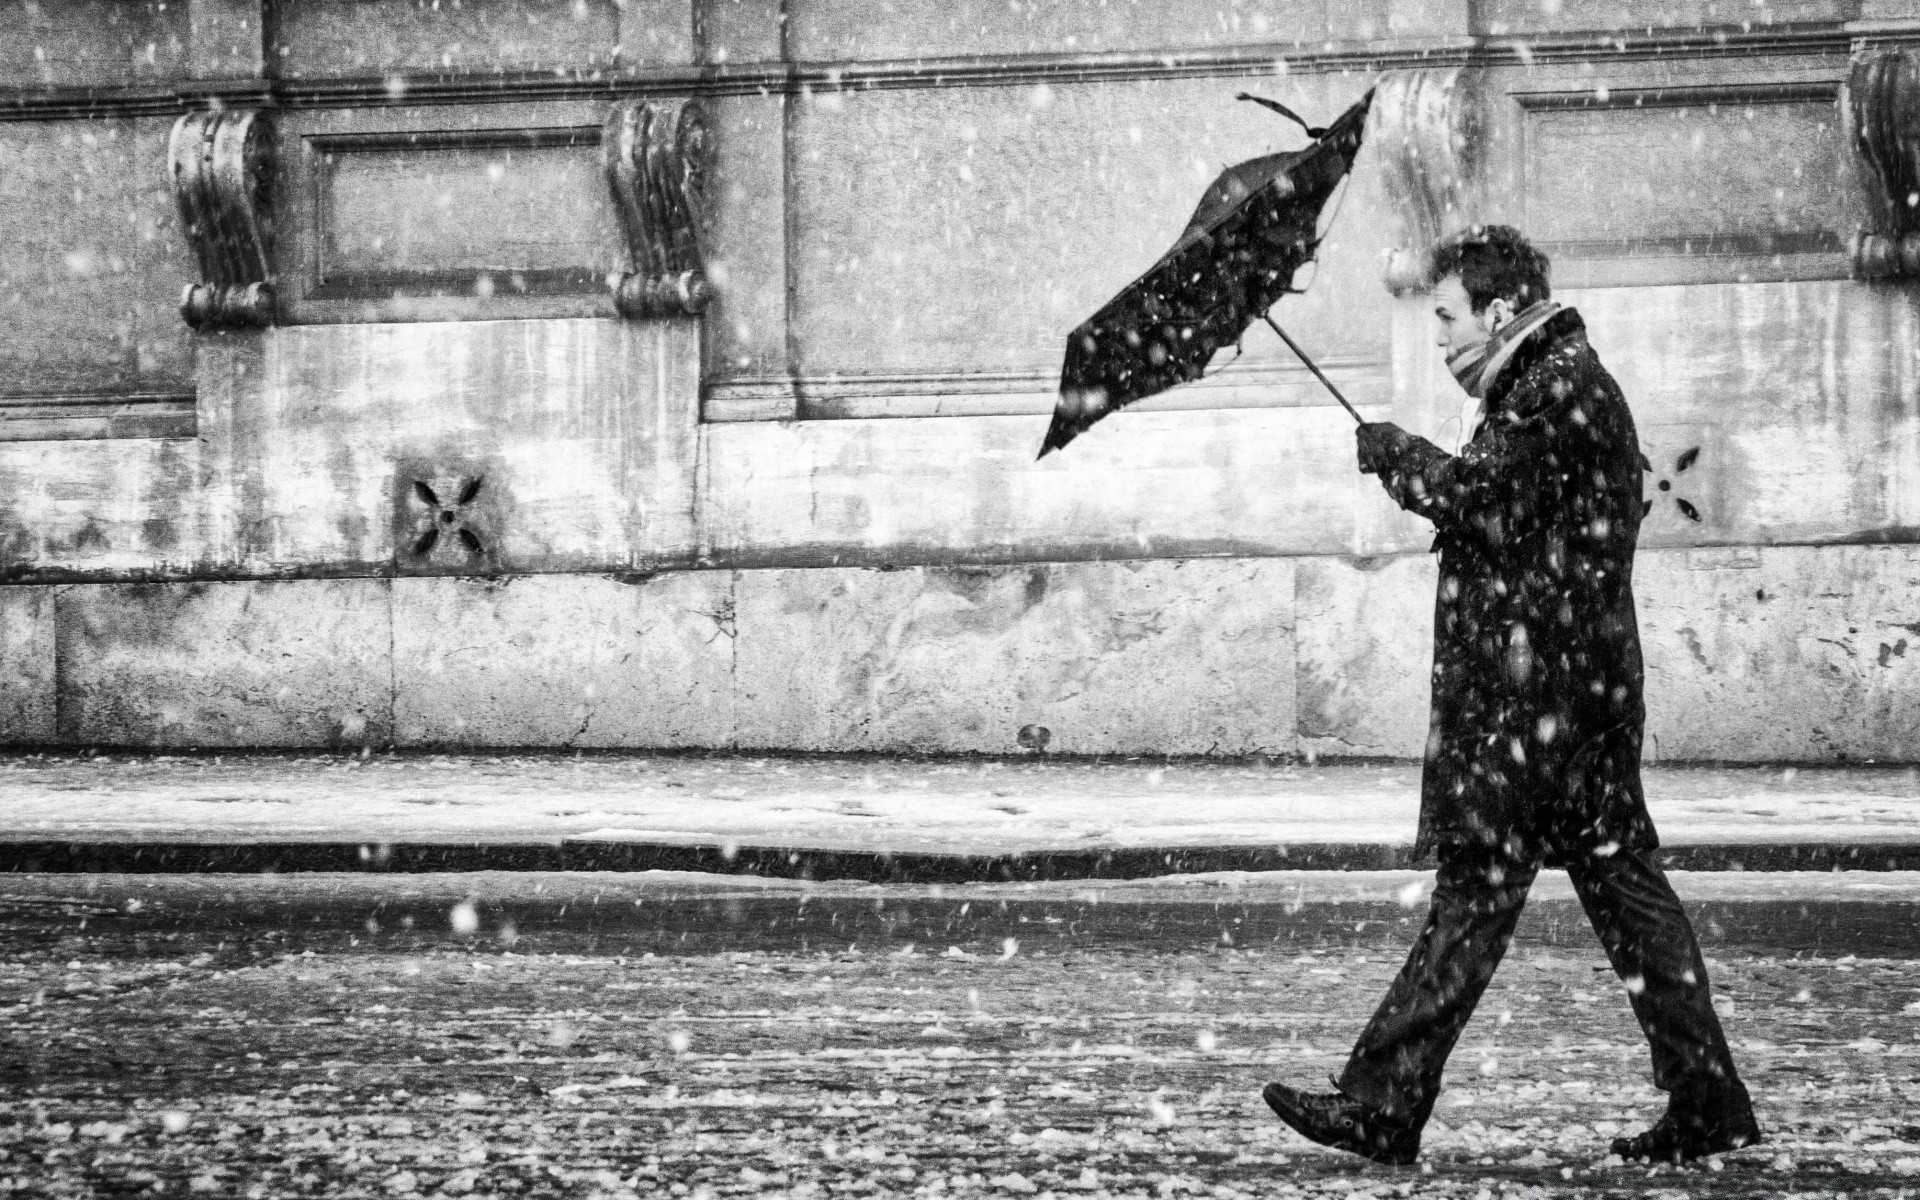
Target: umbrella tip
<point x="1059" y="433"/>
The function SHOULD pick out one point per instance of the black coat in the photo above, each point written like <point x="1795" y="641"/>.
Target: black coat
<point x="1537" y="715"/>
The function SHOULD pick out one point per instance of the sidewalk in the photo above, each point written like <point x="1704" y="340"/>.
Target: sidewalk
<point x="941" y="820"/>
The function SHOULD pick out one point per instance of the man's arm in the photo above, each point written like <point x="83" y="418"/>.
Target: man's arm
<point x="1450" y="490"/>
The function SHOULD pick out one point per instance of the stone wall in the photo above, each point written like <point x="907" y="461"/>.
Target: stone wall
<point x="1796" y="654"/>
<point x="451" y="496"/>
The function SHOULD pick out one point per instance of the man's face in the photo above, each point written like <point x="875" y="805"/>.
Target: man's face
<point x="1460" y="327"/>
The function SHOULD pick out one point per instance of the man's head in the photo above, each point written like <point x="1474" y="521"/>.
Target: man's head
<point x="1481" y="278"/>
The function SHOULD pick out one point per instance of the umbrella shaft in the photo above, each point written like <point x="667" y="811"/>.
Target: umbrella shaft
<point x="1314" y="367"/>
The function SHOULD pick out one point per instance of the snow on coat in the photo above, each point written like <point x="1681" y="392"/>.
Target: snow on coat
<point x="1537" y="715"/>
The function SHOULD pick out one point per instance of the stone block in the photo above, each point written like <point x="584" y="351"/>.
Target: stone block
<point x="1365" y="636"/>
<point x="576" y="438"/>
<point x="1822" y="444"/>
<point x="982" y="30"/>
<point x="97" y="43"/>
<point x="1782" y="653"/>
<point x="93" y="246"/>
<point x="372" y="38"/>
<point x="263" y="663"/>
<point x="1161" y="657"/>
<point x="1176" y="486"/>
<point x="26" y="666"/>
<point x="655" y="33"/>
<point x="100" y="508"/>
<point x="228" y="38"/>
<point x="638" y="662"/>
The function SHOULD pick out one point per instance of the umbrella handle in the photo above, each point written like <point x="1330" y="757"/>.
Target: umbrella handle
<point x="1314" y="367"/>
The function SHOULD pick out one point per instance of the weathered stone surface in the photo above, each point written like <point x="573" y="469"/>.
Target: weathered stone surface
<point x="100" y="507"/>
<point x="1799" y="440"/>
<point x="1186" y="657"/>
<point x="1753" y="654"/>
<point x="367" y="37"/>
<point x="582" y="434"/>
<point x="746" y="326"/>
<point x="26" y="666"/>
<point x="228" y="38"/>
<point x="1802" y="439"/>
<point x="97" y="42"/>
<point x="93" y="261"/>
<point x="825" y="30"/>
<point x="564" y="660"/>
<point x="578" y="434"/>
<point x="1365" y="637"/>
<point x="1782" y="653"/>
<point x="303" y="663"/>
<point x="951" y="230"/>
<point x="876" y="492"/>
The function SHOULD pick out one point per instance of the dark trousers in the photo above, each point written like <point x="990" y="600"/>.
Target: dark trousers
<point x="1396" y="1065"/>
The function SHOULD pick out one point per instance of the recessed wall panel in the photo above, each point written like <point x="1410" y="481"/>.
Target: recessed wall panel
<point x="1500" y="17"/>
<point x="490" y="211"/>
<point x="1745" y="182"/>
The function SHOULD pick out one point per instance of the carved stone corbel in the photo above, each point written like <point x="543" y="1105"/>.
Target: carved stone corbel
<point x="1425" y="127"/>
<point x="654" y="155"/>
<point x="1880" y="104"/>
<point x="218" y="162"/>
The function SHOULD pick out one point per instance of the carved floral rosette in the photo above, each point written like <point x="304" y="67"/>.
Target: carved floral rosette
<point x="1880" y="105"/>
<point x="654" y="155"/>
<point x="218" y="163"/>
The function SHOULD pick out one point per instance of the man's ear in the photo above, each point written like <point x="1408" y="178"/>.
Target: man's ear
<point x="1499" y="312"/>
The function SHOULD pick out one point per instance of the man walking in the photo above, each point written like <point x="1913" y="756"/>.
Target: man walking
<point x="1533" y="754"/>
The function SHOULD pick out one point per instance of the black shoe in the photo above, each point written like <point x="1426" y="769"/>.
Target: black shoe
<point x="1343" y="1123"/>
<point x="1691" y="1131"/>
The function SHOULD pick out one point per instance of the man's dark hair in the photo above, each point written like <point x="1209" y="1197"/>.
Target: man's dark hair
<point x="1494" y="262"/>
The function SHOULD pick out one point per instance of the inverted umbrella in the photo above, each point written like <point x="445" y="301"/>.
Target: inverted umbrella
<point x="1254" y="228"/>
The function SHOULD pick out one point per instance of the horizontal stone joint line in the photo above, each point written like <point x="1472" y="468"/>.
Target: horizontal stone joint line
<point x="868" y="866"/>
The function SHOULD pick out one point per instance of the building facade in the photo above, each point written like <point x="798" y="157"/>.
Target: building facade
<point x="669" y="373"/>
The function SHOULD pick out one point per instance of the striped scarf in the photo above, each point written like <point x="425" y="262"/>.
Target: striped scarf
<point x="1476" y="367"/>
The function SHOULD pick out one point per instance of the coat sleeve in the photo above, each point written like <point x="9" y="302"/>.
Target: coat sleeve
<point x="1473" y="493"/>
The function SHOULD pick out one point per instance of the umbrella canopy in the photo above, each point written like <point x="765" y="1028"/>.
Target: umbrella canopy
<point x="1254" y="228"/>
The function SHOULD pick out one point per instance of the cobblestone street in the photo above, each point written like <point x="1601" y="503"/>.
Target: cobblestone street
<point x="613" y="1036"/>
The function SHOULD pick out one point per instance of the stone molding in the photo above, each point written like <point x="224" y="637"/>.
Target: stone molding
<point x="654" y="155"/>
<point x="1880" y="103"/>
<point x="92" y="416"/>
<point x="217" y="160"/>
<point x="794" y="78"/>
<point x="1634" y="253"/>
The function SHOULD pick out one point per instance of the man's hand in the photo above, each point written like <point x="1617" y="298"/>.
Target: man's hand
<point x="1379" y="444"/>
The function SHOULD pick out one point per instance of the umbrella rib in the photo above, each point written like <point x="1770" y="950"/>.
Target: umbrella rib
<point x="1312" y="366"/>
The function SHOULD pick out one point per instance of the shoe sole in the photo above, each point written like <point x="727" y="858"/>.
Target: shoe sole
<point x="1744" y="1142"/>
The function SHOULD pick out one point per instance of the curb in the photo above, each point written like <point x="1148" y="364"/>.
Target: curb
<point x="867" y="866"/>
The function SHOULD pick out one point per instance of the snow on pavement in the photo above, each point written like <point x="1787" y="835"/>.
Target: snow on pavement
<point x="453" y="1057"/>
<point x="949" y="806"/>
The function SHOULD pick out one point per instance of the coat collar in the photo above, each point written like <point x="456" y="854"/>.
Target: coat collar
<point x="1564" y="326"/>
